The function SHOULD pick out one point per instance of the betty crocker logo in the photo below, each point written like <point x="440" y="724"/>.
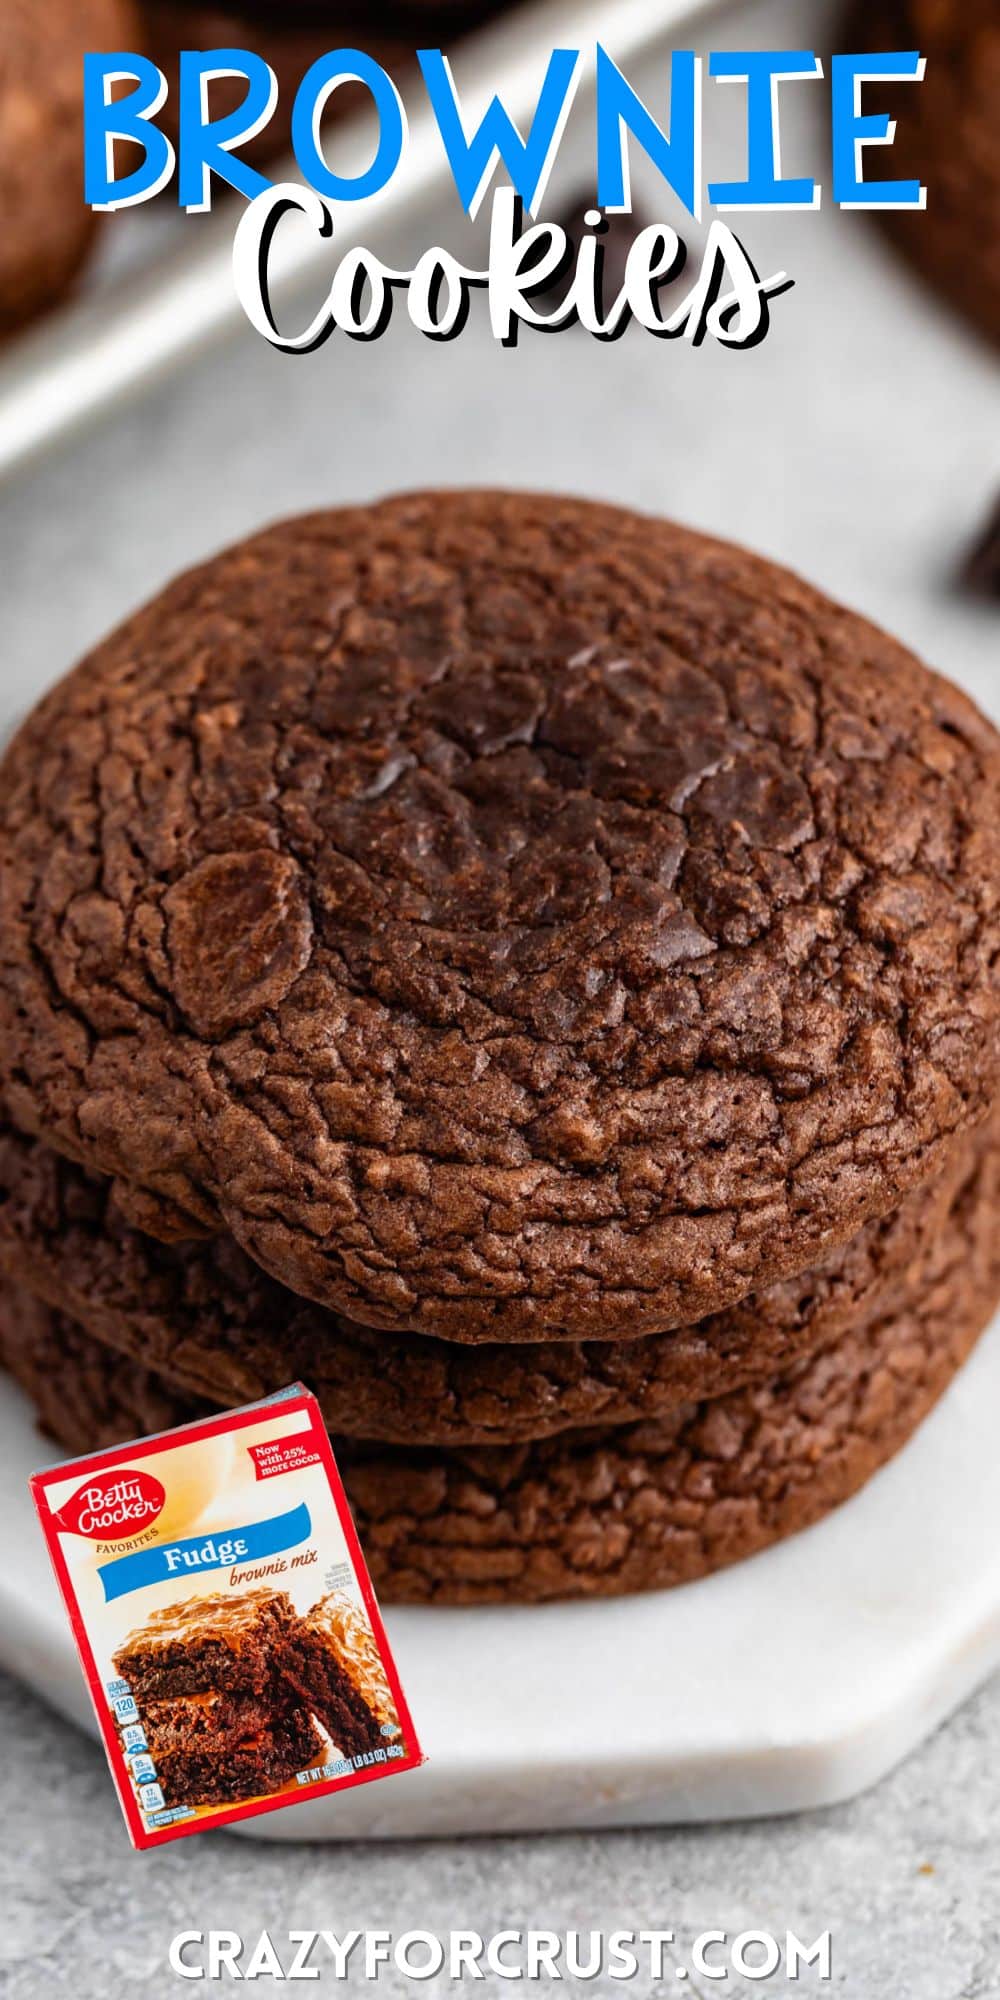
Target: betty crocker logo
<point x="108" y="1509"/>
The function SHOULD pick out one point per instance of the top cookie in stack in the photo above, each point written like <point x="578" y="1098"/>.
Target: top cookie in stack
<point x="505" y="922"/>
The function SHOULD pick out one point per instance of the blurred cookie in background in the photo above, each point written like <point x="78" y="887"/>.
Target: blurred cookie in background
<point x="47" y="229"/>
<point x="948" y="137"/>
<point x="981" y="570"/>
<point x="291" y="38"/>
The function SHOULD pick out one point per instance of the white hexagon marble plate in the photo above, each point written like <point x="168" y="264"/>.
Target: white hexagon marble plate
<point x="793" y="1680"/>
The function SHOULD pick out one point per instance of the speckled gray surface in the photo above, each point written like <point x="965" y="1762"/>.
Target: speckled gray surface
<point x="859" y="443"/>
<point x="906" y="1879"/>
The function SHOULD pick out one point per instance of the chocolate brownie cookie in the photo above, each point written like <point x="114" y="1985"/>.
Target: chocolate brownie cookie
<point x="510" y="918"/>
<point x="594" y="1514"/>
<point x="211" y="1322"/>
<point x="100" y="1396"/>
<point x="948" y="137"/>
<point x="46" y="229"/>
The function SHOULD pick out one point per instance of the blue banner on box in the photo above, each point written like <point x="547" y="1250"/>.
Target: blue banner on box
<point x="203" y="1552"/>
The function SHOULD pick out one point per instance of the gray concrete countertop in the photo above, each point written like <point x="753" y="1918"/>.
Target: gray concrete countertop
<point x="907" y="1880"/>
<point x="859" y="444"/>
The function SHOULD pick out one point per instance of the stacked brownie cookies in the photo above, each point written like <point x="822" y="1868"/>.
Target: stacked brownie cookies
<point x="529" y="972"/>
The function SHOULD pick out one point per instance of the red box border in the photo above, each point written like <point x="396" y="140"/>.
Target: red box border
<point x="242" y="1418"/>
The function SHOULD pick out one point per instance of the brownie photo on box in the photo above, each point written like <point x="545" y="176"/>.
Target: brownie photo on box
<point x="230" y="1689"/>
<point x="211" y="1748"/>
<point x="206" y="1643"/>
<point x="331" y="1660"/>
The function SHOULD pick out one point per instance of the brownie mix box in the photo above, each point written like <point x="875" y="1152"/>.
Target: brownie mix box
<point x="225" y="1619"/>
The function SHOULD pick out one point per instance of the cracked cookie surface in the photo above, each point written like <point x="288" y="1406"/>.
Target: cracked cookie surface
<point x="208" y="1320"/>
<point x="510" y="918"/>
<point x="593" y="1514"/>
